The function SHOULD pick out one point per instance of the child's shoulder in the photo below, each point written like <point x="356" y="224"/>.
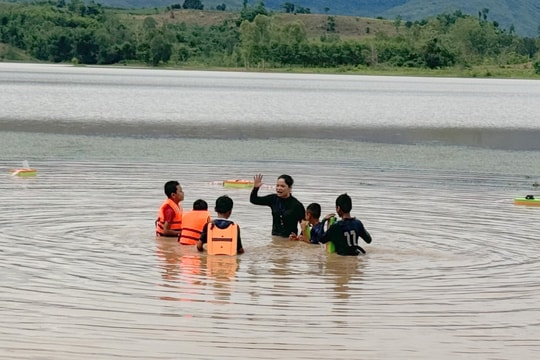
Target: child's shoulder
<point x="223" y="223"/>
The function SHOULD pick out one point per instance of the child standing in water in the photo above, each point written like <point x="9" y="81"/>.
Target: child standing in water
<point x="345" y="233"/>
<point x="193" y="223"/>
<point x="224" y="205"/>
<point x="312" y="229"/>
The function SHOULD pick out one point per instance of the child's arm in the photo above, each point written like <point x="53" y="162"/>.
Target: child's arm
<point x="303" y="231"/>
<point x="202" y="240"/>
<point x="329" y="216"/>
<point x="328" y="234"/>
<point x="239" y="247"/>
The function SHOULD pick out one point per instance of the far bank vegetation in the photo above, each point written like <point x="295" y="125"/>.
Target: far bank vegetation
<point x="255" y="38"/>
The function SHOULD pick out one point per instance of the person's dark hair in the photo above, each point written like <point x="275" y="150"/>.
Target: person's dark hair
<point x="314" y="210"/>
<point x="288" y="180"/>
<point x="344" y="202"/>
<point x="170" y="187"/>
<point x="223" y="204"/>
<point x="200" y="204"/>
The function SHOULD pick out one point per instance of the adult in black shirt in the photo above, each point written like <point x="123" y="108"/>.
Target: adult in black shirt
<point x="287" y="211"/>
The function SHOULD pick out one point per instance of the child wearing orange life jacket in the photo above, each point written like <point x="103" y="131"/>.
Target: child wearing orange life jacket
<point x="169" y="221"/>
<point x="224" y="205"/>
<point x="193" y="223"/>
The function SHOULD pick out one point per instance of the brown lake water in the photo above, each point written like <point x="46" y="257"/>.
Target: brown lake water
<point x="453" y="270"/>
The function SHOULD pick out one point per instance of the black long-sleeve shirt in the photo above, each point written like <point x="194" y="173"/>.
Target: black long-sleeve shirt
<point x="286" y="212"/>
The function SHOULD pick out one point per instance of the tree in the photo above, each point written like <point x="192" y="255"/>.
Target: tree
<point x="537" y="67"/>
<point x="397" y="22"/>
<point x="160" y="50"/>
<point x="255" y="36"/>
<point x="288" y="7"/>
<point x="294" y="33"/>
<point x="149" y="23"/>
<point x="249" y="13"/>
<point x="302" y="10"/>
<point x="437" y="56"/>
<point x="61" y="47"/>
<point x="193" y="4"/>
<point x="221" y="7"/>
<point x="484" y="13"/>
<point x="331" y="24"/>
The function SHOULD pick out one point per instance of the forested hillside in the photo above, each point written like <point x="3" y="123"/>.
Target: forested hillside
<point x="521" y="16"/>
<point x="255" y="38"/>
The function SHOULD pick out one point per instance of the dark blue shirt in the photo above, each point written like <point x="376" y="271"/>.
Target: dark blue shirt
<point x="316" y="233"/>
<point x="344" y="234"/>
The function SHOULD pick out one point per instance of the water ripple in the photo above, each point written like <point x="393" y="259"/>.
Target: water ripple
<point x="453" y="265"/>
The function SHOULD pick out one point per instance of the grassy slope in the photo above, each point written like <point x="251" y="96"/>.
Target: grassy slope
<point x="523" y="14"/>
<point x="347" y="27"/>
<point x="8" y="52"/>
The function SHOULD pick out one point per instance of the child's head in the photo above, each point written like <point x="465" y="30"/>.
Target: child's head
<point x="200" y="204"/>
<point x="343" y="204"/>
<point x="313" y="211"/>
<point x="170" y="188"/>
<point x="224" y="205"/>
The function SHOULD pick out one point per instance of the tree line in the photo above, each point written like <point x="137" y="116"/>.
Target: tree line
<point x="88" y="33"/>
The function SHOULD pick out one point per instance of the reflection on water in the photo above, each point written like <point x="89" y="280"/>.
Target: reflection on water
<point x="187" y="271"/>
<point x="452" y="271"/>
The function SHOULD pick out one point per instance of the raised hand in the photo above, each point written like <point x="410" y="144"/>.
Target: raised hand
<point x="327" y="217"/>
<point x="257" y="180"/>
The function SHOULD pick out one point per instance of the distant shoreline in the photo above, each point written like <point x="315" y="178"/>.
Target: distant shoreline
<point x="519" y="71"/>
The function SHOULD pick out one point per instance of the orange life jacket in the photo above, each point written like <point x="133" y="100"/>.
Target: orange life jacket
<point x="222" y="241"/>
<point x="176" y="224"/>
<point x="193" y="223"/>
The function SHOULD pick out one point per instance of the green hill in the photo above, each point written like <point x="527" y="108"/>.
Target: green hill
<point x="521" y="15"/>
<point x="253" y="38"/>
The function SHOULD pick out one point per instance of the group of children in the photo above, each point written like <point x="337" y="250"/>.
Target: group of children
<point x="222" y="236"/>
<point x="342" y="235"/>
<point x="197" y="226"/>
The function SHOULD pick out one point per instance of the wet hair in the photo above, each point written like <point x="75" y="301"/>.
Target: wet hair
<point x="288" y="180"/>
<point x="314" y="210"/>
<point x="344" y="202"/>
<point x="170" y="187"/>
<point x="223" y="204"/>
<point x="200" y="204"/>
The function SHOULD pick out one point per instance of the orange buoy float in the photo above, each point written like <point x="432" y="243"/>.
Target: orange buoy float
<point x="239" y="183"/>
<point x="528" y="200"/>
<point x="24" y="171"/>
